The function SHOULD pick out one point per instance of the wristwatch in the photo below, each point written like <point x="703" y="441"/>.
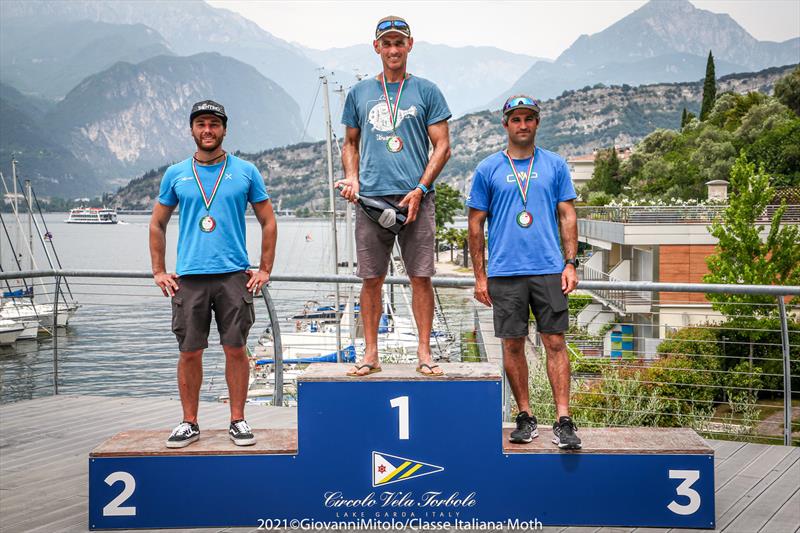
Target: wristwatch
<point x="574" y="262"/>
<point x="421" y="186"/>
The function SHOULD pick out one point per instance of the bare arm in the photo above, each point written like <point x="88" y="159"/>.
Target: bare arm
<point x="158" y="247"/>
<point x="568" y="224"/>
<point x="439" y="134"/>
<point x="477" y="243"/>
<point x="269" y="236"/>
<point x="350" y="159"/>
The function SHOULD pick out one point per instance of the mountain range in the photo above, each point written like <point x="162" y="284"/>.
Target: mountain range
<point x="574" y="123"/>
<point x="103" y="87"/>
<point x="663" y="41"/>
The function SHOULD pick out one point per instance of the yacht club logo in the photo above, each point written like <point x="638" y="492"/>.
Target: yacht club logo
<point x="388" y="469"/>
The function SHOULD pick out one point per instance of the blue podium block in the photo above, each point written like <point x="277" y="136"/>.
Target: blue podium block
<point x="399" y="449"/>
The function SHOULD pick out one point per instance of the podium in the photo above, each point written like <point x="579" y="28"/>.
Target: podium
<point x="398" y="449"/>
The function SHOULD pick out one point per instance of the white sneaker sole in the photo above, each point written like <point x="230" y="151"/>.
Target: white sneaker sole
<point x="183" y="443"/>
<point x="242" y="442"/>
<point x="523" y="441"/>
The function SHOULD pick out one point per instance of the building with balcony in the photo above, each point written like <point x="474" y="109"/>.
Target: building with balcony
<point x="666" y="244"/>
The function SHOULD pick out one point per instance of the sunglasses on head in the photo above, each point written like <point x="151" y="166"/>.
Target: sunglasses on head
<point x="398" y="24"/>
<point x="518" y="101"/>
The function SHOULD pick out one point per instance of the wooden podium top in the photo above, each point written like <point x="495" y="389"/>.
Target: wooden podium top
<point x="394" y="372"/>
<point x="212" y="442"/>
<point x="618" y="441"/>
<point x="631" y="441"/>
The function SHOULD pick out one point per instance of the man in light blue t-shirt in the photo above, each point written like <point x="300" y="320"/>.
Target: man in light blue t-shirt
<point x="391" y="122"/>
<point x="526" y="193"/>
<point x="213" y="272"/>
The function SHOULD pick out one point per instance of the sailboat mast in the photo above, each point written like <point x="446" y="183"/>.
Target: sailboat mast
<point x="30" y="222"/>
<point x="332" y="198"/>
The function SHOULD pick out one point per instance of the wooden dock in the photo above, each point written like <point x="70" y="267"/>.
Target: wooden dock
<point x="45" y="445"/>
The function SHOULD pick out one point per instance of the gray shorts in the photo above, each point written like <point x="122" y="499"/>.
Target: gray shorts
<point x="513" y="296"/>
<point x="374" y="244"/>
<point x="226" y="295"/>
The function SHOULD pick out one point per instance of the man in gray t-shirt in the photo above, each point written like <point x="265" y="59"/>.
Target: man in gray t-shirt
<point x="391" y="122"/>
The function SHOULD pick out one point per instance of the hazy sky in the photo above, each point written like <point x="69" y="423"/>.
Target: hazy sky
<point x="540" y="28"/>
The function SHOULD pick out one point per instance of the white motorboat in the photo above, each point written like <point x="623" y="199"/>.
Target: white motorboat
<point x="9" y="331"/>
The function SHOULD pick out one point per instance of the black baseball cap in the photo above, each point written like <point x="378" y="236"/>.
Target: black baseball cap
<point x="208" y="107"/>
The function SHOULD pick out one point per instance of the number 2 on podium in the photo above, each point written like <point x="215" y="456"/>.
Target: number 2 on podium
<point x="401" y="402"/>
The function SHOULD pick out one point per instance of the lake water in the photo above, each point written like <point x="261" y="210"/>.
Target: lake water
<point x="119" y="342"/>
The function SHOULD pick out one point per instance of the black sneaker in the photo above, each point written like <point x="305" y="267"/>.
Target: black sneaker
<point x="241" y="434"/>
<point x="564" y="434"/>
<point x="526" y="429"/>
<point x="183" y="435"/>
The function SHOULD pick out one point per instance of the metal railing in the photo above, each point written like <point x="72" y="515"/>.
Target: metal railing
<point x="117" y="292"/>
<point x="658" y="214"/>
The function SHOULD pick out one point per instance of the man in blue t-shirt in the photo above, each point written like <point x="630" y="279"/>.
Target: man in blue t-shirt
<point x="526" y="192"/>
<point x="391" y="122"/>
<point x="213" y="270"/>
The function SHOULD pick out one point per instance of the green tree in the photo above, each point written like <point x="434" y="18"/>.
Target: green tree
<point x="709" y="88"/>
<point x="606" y="175"/>
<point x="448" y="203"/>
<point x="787" y="90"/>
<point x="684" y="118"/>
<point x="742" y="256"/>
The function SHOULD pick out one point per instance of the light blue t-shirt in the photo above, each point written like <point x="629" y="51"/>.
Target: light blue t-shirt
<point x="422" y="104"/>
<point x="514" y="250"/>
<point x="222" y="250"/>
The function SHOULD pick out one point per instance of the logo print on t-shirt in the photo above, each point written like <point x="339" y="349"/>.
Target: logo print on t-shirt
<point x="511" y="179"/>
<point x="379" y="116"/>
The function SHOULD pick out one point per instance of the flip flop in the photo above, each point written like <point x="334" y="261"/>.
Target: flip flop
<point x="429" y="367"/>
<point x="373" y="369"/>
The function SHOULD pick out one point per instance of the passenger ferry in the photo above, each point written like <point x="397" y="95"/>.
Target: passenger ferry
<point x="92" y="215"/>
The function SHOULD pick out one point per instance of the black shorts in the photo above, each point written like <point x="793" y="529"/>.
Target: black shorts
<point x="226" y="295"/>
<point x="513" y="296"/>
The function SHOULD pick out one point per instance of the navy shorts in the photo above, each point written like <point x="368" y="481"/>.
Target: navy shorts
<point x="513" y="297"/>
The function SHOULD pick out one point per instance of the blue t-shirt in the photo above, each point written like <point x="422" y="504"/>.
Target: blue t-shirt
<point x="514" y="250"/>
<point x="222" y="250"/>
<point x="422" y="104"/>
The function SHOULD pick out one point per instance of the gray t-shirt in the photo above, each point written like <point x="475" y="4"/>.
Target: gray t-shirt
<point x="382" y="172"/>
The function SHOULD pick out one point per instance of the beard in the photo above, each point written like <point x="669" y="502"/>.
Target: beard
<point x="204" y="147"/>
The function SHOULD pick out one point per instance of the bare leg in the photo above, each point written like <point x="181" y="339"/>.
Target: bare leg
<point x="422" y="306"/>
<point x="237" y="374"/>
<point x="558" y="370"/>
<point x="190" y="378"/>
<point x="516" y="367"/>
<point x="371" y="308"/>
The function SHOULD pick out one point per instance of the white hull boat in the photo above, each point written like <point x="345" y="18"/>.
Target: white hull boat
<point x="10" y="331"/>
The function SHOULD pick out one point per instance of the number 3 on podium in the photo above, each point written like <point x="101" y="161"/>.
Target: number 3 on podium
<point x="401" y="402"/>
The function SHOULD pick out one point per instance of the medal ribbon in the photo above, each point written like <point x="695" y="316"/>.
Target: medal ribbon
<point x="523" y="190"/>
<point x="206" y="199"/>
<point x="393" y="112"/>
